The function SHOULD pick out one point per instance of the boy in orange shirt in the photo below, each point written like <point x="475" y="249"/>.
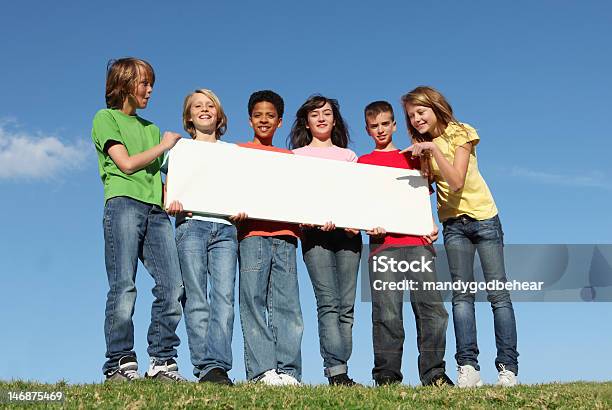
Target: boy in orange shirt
<point x="270" y="310"/>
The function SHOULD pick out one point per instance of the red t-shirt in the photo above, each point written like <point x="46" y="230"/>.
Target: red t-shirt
<point x="394" y="159"/>
<point x="256" y="227"/>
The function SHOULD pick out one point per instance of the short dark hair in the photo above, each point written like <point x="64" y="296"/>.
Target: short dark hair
<point x="378" y="107"/>
<point x="267" y="96"/>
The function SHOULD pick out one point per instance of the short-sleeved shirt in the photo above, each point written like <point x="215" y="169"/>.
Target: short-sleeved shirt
<point x="136" y="135"/>
<point x="475" y="199"/>
<point x="255" y="227"/>
<point x="333" y="152"/>
<point x="200" y="216"/>
<point x="395" y="160"/>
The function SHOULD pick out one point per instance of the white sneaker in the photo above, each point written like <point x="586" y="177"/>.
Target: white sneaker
<point x="506" y="378"/>
<point x="271" y="378"/>
<point x="468" y="376"/>
<point x="288" y="380"/>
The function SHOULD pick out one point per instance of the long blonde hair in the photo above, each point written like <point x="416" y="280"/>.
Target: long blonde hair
<point x="429" y="97"/>
<point x="221" y="117"/>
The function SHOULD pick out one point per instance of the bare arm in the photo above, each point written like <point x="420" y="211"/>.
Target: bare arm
<point x="130" y="164"/>
<point x="433" y="236"/>
<point x="453" y="173"/>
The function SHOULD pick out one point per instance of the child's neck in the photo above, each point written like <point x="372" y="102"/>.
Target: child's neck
<point x="386" y="148"/>
<point x="205" y="135"/>
<point x="128" y="108"/>
<point x="316" y="142"/>
<point x="262" y="141"/>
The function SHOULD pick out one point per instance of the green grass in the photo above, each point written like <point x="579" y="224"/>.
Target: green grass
<point x="150" y="394"/>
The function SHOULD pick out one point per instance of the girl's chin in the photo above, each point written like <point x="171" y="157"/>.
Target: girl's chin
<point x="322" y="137"/>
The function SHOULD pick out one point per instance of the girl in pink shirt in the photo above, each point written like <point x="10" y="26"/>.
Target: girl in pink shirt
<point x="331" y="255"/>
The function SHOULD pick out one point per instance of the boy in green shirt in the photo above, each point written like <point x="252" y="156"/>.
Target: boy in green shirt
<point x="135" y="225"/>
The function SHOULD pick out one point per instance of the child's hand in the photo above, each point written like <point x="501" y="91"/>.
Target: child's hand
<point x="433" y="236"/>
<point x="329" y="226"/>
<point x="170" y="139"/>
<point x="419" y="148"/>
<point x="175" y="208"/>
<point x="351" y="232"/>
<point x="377" y="232"/>
<point x="238" y="218"/>
<point x="306" y="226"/>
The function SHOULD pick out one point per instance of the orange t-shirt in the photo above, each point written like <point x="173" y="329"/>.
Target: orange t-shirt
<point x="256" y="227"/>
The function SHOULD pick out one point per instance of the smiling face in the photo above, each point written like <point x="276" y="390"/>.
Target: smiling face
<point x="320" y="122"/>
<point x="422" y="118"/>
<point x="381" y="128"/>
<point x="264" y="120"/>
<point x="203" y="113"/>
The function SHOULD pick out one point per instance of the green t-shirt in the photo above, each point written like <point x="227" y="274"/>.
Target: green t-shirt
<point x="136" y="135"/>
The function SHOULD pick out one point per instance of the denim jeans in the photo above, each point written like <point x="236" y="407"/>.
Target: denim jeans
<point x="332" y="259"/>
<point x="463" y="236"/>
<point x="430" y="316"/>
<point x="135" y="230"/>
<point x="270" y="311"/>
<point x="208" y="250"/>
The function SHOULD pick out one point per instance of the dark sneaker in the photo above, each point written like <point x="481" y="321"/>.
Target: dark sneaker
<point x="167" y="372"/>
<point x="440" y="380"/>
<point x="126" y="372"/>
<point x="386" y="380"/>
<point x="217" y="376"/>
<point x="341" y="380"/>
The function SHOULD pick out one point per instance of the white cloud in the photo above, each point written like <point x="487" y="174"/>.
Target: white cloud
<point x="36" y="156"/>
<point x="579" y="179"/>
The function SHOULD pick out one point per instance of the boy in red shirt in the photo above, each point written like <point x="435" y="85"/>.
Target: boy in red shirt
<point x="429" y="311"/>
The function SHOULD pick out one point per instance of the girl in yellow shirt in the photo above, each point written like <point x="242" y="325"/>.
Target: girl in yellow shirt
<point x="468" y="213"/>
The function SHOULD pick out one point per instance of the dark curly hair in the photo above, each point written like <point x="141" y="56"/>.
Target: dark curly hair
<point x="267" y="96"/>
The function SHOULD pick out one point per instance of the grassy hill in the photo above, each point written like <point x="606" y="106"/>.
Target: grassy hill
<point x="149" y="394"/>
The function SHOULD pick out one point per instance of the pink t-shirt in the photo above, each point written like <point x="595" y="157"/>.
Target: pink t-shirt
<point x="333" y="152"/>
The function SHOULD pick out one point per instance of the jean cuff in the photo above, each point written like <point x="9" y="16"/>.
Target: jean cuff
<point x="429" y="376"/>
<point x="475" y="365"/>
<point x="512" y="367"/>
<point x="157" y="361"/>
<point x="335" y="370"/>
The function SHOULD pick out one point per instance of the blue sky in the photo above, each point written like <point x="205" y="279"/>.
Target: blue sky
<point x="532" y="77"/>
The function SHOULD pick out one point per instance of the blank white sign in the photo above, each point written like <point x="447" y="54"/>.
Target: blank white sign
<point x="225" y="179"/>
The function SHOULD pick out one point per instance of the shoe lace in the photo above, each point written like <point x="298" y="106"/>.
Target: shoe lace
<point x="131" y="374"/>
<point x="128" y="369"/>
<point x="172" y="372"/>
<point x="463" y="373"/>
<point x="174" y="375"/>
<point x="504" y="375"/>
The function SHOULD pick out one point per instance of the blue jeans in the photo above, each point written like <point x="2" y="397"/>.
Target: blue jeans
<point x="332" y="259"/>
<point x="270" y="311"/>
<point x="430" y="315"/>
<point x="208" y="249"/>
<point x="135" y="230"/>
<point x="463" y="236"/>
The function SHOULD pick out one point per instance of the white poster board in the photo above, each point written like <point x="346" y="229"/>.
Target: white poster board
<point x="225" y="179"/>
